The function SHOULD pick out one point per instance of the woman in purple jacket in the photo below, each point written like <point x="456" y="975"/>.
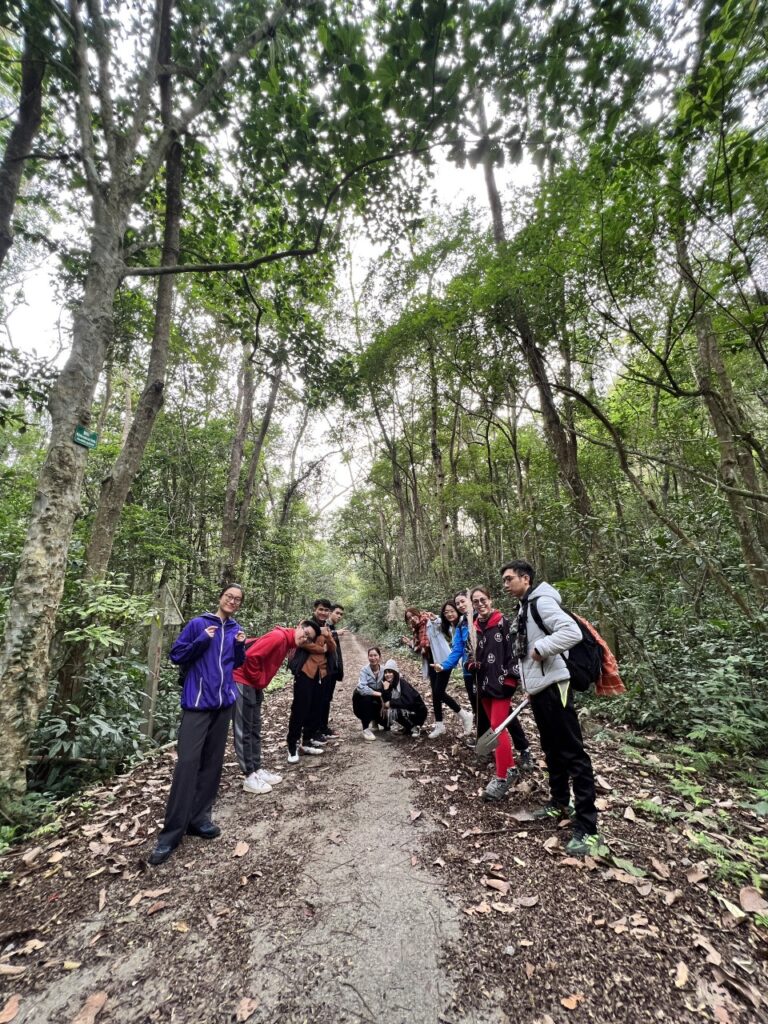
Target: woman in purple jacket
<point x="208" y="649"/>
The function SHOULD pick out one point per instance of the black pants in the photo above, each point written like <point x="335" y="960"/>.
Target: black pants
<point x="247" y="728"/>
<point x="567" y="760"/>
<point x="303" y="722"/>
<point x="408" y="719"/>
<point x="200" y="749"/>
<point x="329" y="688"/>
<point x="366" y="708"/>
<point x="515" y="728"/>
<point x="439" y="682"/>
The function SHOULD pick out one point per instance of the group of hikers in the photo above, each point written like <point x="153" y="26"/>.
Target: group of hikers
<point x="499" y="657"/>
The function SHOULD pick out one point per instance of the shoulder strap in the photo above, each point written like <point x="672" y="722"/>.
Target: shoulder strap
<point x="537" y="616"/>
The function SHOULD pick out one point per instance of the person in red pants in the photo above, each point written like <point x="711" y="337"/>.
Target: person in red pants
<point x="494" y="664"/>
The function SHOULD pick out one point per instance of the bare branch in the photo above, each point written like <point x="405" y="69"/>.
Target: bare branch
<point x="83" y="104"/>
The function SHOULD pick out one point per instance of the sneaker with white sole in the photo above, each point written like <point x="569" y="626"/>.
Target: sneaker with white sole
<point x="309" y="749"/>
<point x="468" y="721"/>
<point x="437" y="730"/>
<point x="368" y="734"/>
<point x="416" y="731"/>
<point x="253" y="784"/>
<point x="271" y="778"/>
<point x="293" y="757"/>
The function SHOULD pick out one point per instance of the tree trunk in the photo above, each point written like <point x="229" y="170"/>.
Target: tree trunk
<point x="737" y="467"/>
<point x="245" y="396"/>
<point x="115" y="487"/>
<point x="39" y="582"/>
<point x="24" y="130"/>
<point x="250" y="482"/>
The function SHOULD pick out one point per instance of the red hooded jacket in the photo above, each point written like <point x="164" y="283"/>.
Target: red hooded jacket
<point x="264" y="656"/>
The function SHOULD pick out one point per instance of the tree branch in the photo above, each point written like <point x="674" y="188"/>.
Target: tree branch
<point x="296" y="252"/>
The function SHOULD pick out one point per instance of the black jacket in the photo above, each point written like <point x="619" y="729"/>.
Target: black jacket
<point x="495" y="661"/>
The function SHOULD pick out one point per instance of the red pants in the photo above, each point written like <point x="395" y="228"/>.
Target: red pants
<point x="497" y="711"/>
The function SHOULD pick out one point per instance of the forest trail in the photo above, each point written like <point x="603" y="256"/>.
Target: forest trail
<point x="373" y="885"/>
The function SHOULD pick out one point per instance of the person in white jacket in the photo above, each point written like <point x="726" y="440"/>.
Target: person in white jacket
<point x="544" y="675"/>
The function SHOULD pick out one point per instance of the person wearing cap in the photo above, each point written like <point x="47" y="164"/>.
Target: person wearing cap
<point x="402" y="706"/>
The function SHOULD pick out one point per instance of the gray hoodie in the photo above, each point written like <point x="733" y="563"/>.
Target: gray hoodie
<point x="368" y="683"/>
<point x="537" y="676"/>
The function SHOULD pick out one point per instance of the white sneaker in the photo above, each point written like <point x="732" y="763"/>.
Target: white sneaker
<point x="310" y="750"/>
<point x="271" y="778"/>
<point x="293" y="758"/>
<point x="438" y="730"/>
<point x="468" y="721"/>
<point x="368" y="734"/>
<point x="380" y="727"/>
<point x="253" y="784"/>
<point x="416" y="731"/>
<point x="396" y="727"/>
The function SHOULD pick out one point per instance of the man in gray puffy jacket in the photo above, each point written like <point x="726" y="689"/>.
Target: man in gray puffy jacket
<point x="544" y="675"/>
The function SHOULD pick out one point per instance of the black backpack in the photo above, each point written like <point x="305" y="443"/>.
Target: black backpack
<point x="585" y="659"/>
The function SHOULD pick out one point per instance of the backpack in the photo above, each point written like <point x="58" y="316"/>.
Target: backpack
<point x="585" y="659"/>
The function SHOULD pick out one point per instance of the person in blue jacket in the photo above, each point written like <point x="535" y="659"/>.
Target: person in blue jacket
<point x="462" y="651"/>
<point x="209" y="648"/>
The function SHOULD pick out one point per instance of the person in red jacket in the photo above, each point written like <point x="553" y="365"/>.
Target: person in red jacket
<point x="263" y="657"/>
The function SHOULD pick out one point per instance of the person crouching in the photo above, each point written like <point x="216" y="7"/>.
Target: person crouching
<point x="402" y="703"/>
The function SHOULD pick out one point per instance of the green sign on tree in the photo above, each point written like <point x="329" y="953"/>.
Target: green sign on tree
<point x="84" y="437"/>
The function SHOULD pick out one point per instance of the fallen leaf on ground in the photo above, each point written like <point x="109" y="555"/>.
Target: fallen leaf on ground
<point x="603" y="784"/>
<point x="10" y="1010"/>
<point x="56" y="856"/>
<point x="713" y="957"/>
<point x="751" y="900"/>
<point x="502" y="908"/>
<point x="526" y="901"/>
<point x="153" y="909"/>
<point x="31" y="855"/>
<point x="672" y="897"/>
<point x="180" y="926"/>
<point x="481" y="908"/>
<point x="736" y="913"/>
<point x="9" y="971"/>
<point x="551" y="844"/>
<point x="697" y="873"/>
<point x="681" y="975"/>
<point x="530" y="970"/>
<point x="245" y="1009"/>
<point x="241" y="849"/>
<point x="630" y="815"/>
<point x="439" y="862"/>
<point x="102" y="898"/>
<point x="71" y="965"/>
<point x="660" y="868"/>
<point x="31" y="946"/>
<point x="453" y="788"/>
<point x="571" y="1002"/>
<point x="91" y="1008"/>
<point x="496" y="883"/>
<point x="415" y="815"/>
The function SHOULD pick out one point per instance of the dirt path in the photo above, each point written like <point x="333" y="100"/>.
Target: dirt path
<point x="325" y="917"/>
<point x="373" y="885"/>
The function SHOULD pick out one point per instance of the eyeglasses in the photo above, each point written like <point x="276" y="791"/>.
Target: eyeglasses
<point x="233" y="599"/>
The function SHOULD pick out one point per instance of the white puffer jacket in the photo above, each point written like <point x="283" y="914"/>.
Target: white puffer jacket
<point x="538" y="675"/>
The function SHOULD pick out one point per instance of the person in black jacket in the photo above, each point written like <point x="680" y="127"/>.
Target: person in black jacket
<point x="401" y="702"/>
<point x="335" y="669"/>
